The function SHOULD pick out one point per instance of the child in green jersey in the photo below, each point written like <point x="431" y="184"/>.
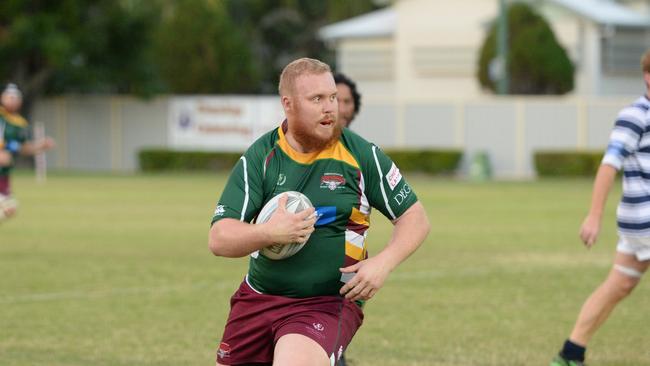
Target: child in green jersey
<point x="14" y="140"/>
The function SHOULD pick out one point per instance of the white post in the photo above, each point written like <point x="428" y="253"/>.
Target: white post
<point x="39" y="159"/>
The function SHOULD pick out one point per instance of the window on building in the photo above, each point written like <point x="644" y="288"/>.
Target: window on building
<point x="368" y="64"/>
<point x="430" y="61"/>
<point x="622" y="49"/>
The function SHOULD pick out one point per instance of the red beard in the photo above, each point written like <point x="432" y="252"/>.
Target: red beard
<point x="311" y="142"/>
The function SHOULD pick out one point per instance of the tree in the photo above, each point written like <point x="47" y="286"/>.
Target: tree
<point x="537" y="63"/>
<point x="280" y="31"/>
<point x="52" y="47"/>
<point x="145" y="47"/>
<point x="199" y="49"/>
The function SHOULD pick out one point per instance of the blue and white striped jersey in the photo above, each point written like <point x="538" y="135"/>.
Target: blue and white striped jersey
<point x="629" y="150"/>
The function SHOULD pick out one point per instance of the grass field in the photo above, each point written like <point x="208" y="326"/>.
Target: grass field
<point x="115" y="270"/>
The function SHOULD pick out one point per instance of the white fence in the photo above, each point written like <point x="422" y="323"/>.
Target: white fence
<point x="105" y="133"/>
<point x="509" y="129"/>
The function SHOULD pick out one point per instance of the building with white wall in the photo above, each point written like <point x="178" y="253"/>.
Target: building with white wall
<point x="417" y="47"/>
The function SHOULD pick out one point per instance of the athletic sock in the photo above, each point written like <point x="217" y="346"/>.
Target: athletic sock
<point x="573" y="352"/>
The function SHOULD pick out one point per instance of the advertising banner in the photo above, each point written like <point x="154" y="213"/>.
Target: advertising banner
<point x="221" y="123"/>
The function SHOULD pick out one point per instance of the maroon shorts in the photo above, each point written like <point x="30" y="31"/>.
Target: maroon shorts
<point x="4" y="185"/>
<point x="257" y="321"/>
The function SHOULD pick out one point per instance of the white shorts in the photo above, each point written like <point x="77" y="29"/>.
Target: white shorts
<point x="638" y="246"/>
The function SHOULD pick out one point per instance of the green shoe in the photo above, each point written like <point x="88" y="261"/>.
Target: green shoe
<point x="561" y="361"/>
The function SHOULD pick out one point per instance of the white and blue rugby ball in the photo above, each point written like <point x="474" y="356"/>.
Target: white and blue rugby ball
<point x="296" y="202"/>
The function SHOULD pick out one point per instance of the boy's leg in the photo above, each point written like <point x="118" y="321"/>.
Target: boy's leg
<point x="622" y="279"/>
<point x="4" y="185"/>
<point x="8" y="205"/>
<point x="620" y="282"/>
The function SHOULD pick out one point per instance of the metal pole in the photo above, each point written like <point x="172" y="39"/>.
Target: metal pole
<point x="40" y="161"/>
<point x="502" y="48"/>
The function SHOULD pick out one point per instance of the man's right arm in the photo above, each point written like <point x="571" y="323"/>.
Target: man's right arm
<point x="623" y="142"/>
<point x="233" y="238"/>
<point x="602" y="185"/>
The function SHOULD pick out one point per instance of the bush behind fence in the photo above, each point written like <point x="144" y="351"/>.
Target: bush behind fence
<point x="434" y="162"/>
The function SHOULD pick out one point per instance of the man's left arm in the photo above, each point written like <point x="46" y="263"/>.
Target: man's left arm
<point x="410" y="230"/>
<point x="388" y="191"/>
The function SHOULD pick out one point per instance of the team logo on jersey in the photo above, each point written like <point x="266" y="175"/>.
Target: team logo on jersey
<point x="281" y="179"/>
<point x="224" y="350"/>
<point x="393" y="177"/>
<point x="332" y="181"/>
<point x="220" y="210"/>
<point x="318" y="326"/>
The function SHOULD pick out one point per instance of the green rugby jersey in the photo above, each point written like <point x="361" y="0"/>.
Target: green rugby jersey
<point x="343" y="182"/>
<point x="13" y="127"/>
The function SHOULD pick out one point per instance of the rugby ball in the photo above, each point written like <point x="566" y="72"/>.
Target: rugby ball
<point x="296" y="202"/>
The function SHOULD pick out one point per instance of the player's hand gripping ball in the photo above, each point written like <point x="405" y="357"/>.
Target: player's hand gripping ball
<point x="296" y="202"/>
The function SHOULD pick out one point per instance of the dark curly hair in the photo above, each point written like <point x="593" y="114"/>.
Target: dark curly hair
<point x="342" y="79"/>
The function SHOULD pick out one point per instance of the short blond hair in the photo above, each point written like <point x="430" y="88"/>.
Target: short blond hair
<point x="299" y="67"/>
<point x="645" y="61"/>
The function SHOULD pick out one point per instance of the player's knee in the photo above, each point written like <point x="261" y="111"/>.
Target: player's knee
<point x="8" y="207"/>
<point x="11" y="211"/>
<point x="626" y="286"/>
<point x="628" y="280"/>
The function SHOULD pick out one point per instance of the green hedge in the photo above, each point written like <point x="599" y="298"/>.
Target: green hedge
<point x="426" y="161"/>
<point x="154" y="160"/>
<point x="567" y="163"/>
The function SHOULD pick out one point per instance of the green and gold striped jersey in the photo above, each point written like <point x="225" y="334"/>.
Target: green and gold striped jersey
<point x="343" y="182"/>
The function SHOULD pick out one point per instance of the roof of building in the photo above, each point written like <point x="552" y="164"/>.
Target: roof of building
<point x="606" y="12"/>
<point x="382" y="23"/>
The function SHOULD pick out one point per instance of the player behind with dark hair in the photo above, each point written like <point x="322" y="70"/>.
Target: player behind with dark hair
<point x="348" y="97"/>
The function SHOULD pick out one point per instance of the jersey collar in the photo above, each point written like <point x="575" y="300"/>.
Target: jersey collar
<point x="13" y="118"/>
<point x="336" y="151"/>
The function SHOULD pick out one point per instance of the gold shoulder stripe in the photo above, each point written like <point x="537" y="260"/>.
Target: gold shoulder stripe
<point x="335" y="152"/>
<point x="13" y="118"/>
